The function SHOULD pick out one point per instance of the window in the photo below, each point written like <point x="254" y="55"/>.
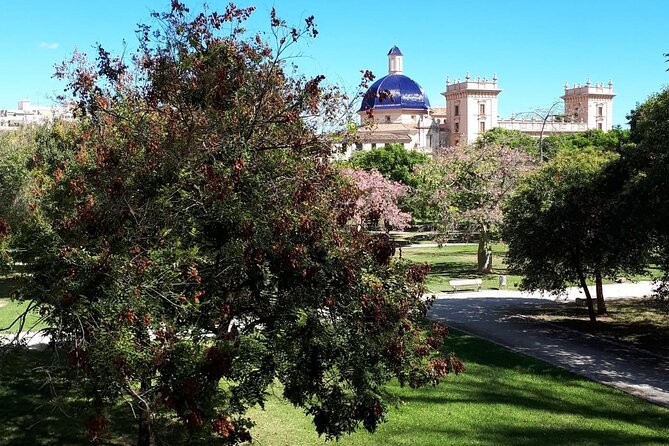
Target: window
<point x="599" y="126"/>
<point x="457" y="110"/>
<point x="481" y="109"/>
<point x="600" y="111"/>
<point x="387" y="118"/>
<point x="457" y="127"/>
<point x="373" y="145"/>
<point x="358" y="146"/>
<point x="482" y="126"/>
<point x="413" y="118"/>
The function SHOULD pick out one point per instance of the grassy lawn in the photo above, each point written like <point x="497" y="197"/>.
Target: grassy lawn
<point x="502" y="398"/>
<point x="39" y="407"/>
<point x="638" y="322"/>
<point x="459" y="262"/>
<point x="10" y="310"/>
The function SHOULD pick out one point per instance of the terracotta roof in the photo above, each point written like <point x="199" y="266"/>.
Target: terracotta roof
<point x="386" y="133"/>
<point x="385" y="137"/>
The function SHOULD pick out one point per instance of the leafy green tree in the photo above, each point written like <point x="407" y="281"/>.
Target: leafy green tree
<point x="613" y="140"/>
<point x="514" y="139"/>
<point x="393" y="161"/>
<point x="565" y="224"/>
<point x="191" y="246"/>
<point x="468" y="184"/>
<point x="15" y="152"/>
<point x="647" y="167"/>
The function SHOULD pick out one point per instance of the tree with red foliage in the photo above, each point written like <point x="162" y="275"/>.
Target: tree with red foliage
<point x="194" y="246"/>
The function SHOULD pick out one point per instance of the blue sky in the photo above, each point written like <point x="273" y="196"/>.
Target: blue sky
<point x="533" y="46"/>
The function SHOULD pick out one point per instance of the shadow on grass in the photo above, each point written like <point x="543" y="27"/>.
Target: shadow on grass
<point x="30" y="414"/>
<point x="39" y="406"/>
<point x="7" y="286"/>
<point x="502" y="379"/>
<point x="522" y="436"/>
<point x="464" y="270"/>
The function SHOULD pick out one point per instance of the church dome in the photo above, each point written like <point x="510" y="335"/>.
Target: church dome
<point x="404" y="92"/>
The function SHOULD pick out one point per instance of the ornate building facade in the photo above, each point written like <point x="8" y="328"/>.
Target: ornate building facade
<point x="395" y="109"/>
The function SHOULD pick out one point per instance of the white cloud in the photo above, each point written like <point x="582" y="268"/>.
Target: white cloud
<point x="49" y="45"/>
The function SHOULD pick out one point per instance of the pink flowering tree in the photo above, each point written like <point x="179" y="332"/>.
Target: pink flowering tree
<point x="467" y="186"/>
<point x="378" y="200"/>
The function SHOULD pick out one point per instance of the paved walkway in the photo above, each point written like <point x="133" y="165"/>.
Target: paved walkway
<point x="490" y="315"/>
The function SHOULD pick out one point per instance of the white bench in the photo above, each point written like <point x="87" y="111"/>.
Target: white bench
<point x="455" y="283"/>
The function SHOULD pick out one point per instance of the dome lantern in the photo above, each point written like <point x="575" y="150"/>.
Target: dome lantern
<point x="395" y="61"/>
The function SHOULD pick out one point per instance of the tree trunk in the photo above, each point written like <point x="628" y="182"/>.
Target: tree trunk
<point x="601" y="305"/>
<point x="484" y="254"/>
<point x="144" y="432"/>
<point x="588" y="297"/>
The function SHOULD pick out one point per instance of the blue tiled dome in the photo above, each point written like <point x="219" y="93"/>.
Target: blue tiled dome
<point x="404" y="93"/>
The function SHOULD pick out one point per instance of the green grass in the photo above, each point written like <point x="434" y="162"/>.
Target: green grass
<point x="10" y="309"/>
<point x="39" y="407"/>
<point x="459" y="262"/>
<point x="502" y="399"/>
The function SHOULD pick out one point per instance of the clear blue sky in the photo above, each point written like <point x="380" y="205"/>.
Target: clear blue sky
<point x="533" y="46"/>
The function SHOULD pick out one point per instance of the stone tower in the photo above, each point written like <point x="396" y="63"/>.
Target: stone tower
<point x="471" y="108"/>
<point x="590" y="104"/>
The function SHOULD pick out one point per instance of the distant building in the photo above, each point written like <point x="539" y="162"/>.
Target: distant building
<point x="26" y="114"/>
<point x="395" y="109"/>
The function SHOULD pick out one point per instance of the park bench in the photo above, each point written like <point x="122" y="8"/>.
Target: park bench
<point x="455" y="283"/>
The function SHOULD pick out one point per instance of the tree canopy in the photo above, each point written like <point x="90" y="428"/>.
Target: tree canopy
<point x="613" y="140"/>
<point x="468" y="185"/>
<point x="393" y="161"/>
<point x="646" y="164"/>
<point x="565" y="224"/>
<point x="378" y="200"/>
<point x="514" y="139"/>
<point x="16" y="150"/>
<point x="191" y="243"/>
